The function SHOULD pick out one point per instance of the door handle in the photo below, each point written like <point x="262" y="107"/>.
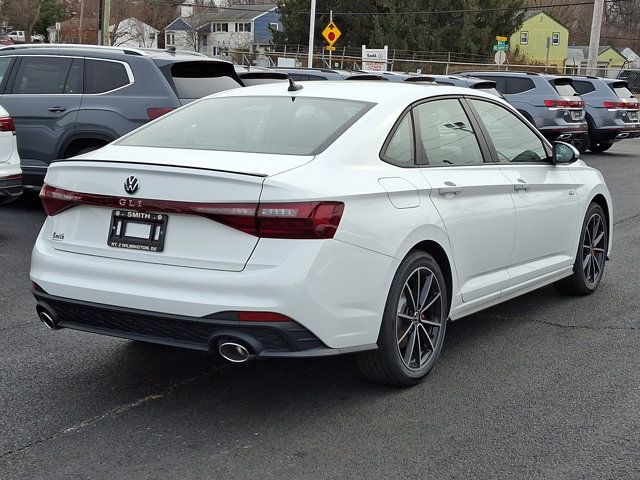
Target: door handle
<point x="521" y="185"/>
<point x="57" y="109"/>
<point x="450" y="189"/>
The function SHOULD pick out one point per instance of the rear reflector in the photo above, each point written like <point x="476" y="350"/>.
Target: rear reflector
<point x="262" y="317"/>
<point x="299" y="220"/>
<point x="564" y="103"/>
<point x="622" y="105"/>
<point x="154" y="113"/>
<point x="7" y="125"/>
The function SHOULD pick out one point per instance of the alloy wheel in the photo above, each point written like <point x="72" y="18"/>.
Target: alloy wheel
<point x="594" y="249"/>
<point x="419" y="318"/>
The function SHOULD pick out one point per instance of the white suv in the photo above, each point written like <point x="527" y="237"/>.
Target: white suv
<point x="10" y="172"/>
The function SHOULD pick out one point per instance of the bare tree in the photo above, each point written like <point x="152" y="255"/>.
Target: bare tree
<point x="23" y="14"/>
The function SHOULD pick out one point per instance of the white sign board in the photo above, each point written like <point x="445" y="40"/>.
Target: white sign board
<point x="286" y="62"/>
<point x="374" y="59"/>
<point x="500" y="57"/>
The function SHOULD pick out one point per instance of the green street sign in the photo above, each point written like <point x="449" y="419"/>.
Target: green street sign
<point x="503" y="48"/>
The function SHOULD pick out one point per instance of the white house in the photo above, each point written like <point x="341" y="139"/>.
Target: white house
<point x="241" y="27"/>
<point x="632" y="57"/>
<point x="134" y="33"/>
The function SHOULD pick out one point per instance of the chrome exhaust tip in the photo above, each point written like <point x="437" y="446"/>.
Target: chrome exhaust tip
<point x="622" y="135"/>
<point x="564" y="136"/>
<point x="234" y="352"/>
<point x="47" y="320"/>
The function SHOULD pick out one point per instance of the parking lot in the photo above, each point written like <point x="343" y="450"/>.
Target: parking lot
<point x="544" y="386"/>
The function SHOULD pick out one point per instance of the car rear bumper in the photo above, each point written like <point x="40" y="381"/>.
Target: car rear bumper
<point x="331" y="289"/>
<point x="10" y="187"/>
<point x="618" y="132"/>
<point x="564" y="132"/>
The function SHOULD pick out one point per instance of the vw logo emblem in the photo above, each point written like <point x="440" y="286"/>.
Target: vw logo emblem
<point x="131" y="185"/>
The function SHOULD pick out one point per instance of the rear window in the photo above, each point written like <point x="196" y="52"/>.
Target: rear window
<point x="564" y="88"/>
<point x="102" y="76"/>
<point x="621" y="90"/>
<point x="198" y="79"/>
<point x="276" y="125"/>
<point x="583" y="87"/>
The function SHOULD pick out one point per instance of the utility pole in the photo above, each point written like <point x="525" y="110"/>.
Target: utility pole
<point x="312" y="27"/>
<point x="80" y="22"/>
<point x="104" y="27"/>
<point x="100" y="9"/>
<point x="594" y="42"/>
<point x="330" y="21"/>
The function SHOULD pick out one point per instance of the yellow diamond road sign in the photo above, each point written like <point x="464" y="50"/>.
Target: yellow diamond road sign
<point x="331" y="33"/>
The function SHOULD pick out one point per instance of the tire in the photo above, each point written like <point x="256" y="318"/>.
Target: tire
<point x="583" y="143"/>
<point x="404" y="330"/>
<point x="589" y="264"/>
<point x="600" y="147"/>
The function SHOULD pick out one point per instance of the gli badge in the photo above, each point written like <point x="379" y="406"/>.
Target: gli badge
<point x="131" y="184"/>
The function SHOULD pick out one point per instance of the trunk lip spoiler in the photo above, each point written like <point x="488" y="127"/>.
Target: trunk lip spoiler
<point x="128" y="162"/>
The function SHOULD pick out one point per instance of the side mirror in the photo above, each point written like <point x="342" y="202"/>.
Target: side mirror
<point x="564" y="153"/>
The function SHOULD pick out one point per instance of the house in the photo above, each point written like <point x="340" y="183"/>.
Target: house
<point x="75" y="31"/>
<point x="632" y="57"/>
<point x="610" y="61"/>
<point x="541" y="39"/>
<point x="241" y="27"/>
<point x="133" y="33"/>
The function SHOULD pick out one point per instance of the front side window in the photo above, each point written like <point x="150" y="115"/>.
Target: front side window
<point x="42" y="75"/>
<point x="270" y="124"/>
<point x="104" y="76"/>
<point x="512" y="139"/>
<point x="400" y="149"/>
<point x="555" y="38"/>
<point x="446" y="135"/>
<point x="524" y="38"/>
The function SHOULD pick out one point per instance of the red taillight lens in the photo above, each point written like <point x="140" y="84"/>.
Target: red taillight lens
<point x="564" y="103"/>
<point x="622" y="105"/>
<point x="300" y="220"/>
<point x="7" y="125"/>
<point x="54" y="200"/>
<point x="262" y="317"/>
<point x="154" y="113"/>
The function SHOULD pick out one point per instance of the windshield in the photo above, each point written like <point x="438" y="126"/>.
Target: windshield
<point x="273" y="124"/>
<point x="621" y="90"/>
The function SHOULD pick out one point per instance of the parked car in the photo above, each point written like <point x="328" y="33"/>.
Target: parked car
<point x="70" y="99"/>
<point x="258" y="75"/>
<point x="488" y="86"/>
<point x="311" y="74"/>
<point x="280" y="222"/>
<point x="632" y="77"/>
<point x="549" y="102"/>
<point x="612" y="112"/>
<point x="10" y="172"/>
<point x="5" y="39"/>
<point x="18" y="36"/>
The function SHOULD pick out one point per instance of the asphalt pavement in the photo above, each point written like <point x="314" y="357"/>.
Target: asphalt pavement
<point x="544" y="386"/>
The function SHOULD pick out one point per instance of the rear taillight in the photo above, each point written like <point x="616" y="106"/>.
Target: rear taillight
<point x="622" y="105"/>
<point x="299" y="220"/>
<point x="564" y="103"/>
<point x="7" y="125"/>
<point x="154" y="113"/>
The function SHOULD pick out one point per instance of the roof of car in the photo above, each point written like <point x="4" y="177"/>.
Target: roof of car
<point x="391" y="93"/>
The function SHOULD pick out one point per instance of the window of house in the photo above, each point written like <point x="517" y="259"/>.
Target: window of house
<point x="524" y="38"/>
<point x="243" y="27"/>
<point x="220" y="27"/>
<point x="555" y="38"/>
<point x="274" y="26"/>
<point x="170" y="39"/>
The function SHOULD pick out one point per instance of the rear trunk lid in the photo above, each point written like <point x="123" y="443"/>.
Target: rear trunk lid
<point x="189" y="240"/>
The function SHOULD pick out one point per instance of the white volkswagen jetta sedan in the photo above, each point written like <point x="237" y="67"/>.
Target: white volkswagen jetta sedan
<point x="10" y="171"/>
<point x="280" y="221"/>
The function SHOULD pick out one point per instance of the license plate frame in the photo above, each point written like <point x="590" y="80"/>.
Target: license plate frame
<point x="157" y="224"/>
<point x="576" y="115"/>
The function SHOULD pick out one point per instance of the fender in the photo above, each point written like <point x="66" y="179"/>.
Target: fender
<point x="107" y="136"/>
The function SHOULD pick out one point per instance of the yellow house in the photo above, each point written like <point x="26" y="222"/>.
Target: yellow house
<point x="541" y="38"/>
<point x="610" y="61"/>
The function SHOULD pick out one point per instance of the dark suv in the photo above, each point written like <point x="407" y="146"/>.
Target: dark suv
<point x="549" y="102"/>
<point x="612" y="112"/>
<point x="66" y="100"/>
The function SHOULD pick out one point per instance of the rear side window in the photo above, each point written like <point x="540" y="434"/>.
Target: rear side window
<point x="447" y="137"/>
<point x="400" y="148"/>
<point x="270" y="124"/>
<point x="583" y="87"/>
<point x="501" y="84"/>
<point x="564" y="88"/>
<point x="102" y="76"/>
<point x="4" y="66"/>
<point x="42" y="75"/>
<point x="519" y="85"/>
<point x="199" y="79"/>
<point x="621" y="90"/>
